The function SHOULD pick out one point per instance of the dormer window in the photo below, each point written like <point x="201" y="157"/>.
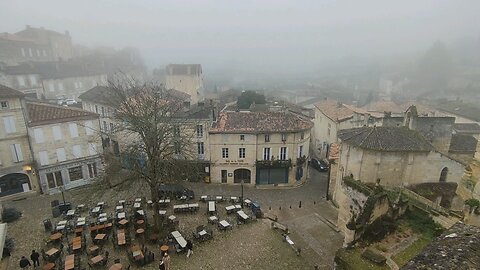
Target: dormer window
<point x="4" y="104"/>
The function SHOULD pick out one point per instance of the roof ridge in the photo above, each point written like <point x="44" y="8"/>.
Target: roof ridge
<point x="370" y="133"/>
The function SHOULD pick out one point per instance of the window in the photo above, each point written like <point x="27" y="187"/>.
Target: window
<point x="51" y="86"/>
<point x="103" y="111"/>
<point x="54" y="179"/>
<point x="73" y="130"/>
<point x="38" y="52"/>
<point x="199" y="131"/>
<point x="38" y="133"/>
<point x="111" y="127"/>
<point x="224" y="176"/>
<point x="92" y="170"/>
<point x="75" y="173"/>
<point x="57" y="133"/>
<point x="300" y="151"/>
<point x="60" y="86"/>
<point x="266" y="153"/>
<point x="89" y="128"/>
<point x="224" y="152"/>
<point x="267" y="137"/>
<point x="302" y="135"/>
<point x="283" y="153"/>
<point x="242" y="137"/>
<point x="92" y="149"/>
<point x="241" y="152"/>
<point x="77" y="151"/>
<point x="80" y="84"/>
<point x="200" y="148"/>
<point x="33" y="80"/>
<point x="21" y="81"/>
<point x="284" y="137"/>
<point x="23" y="52"/>
<point x="9" y="123"/>
<point x="105" y="126"/>
<point x="43" y="155"/>
<point x="4" y="104"/>
<point x="30" y="52"/>
<point x="328" y="131"/>
<point x="17" y="154"/>
<point x="61" y="156"/>
<point x="44" y="53"/>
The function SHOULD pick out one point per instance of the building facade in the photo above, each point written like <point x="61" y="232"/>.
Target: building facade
<point x="186" y="78"/>
<point x="259" y="148"/>
<point x="16" y="164"/>
<point x="66" y="145"/>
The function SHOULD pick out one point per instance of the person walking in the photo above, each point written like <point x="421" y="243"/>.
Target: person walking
<point x="189" y="248"/>
<point x="24" y="263"/>
<point x="162" y="265"/>
<point x="166" y="261"/>
<point x="35" y="257"/>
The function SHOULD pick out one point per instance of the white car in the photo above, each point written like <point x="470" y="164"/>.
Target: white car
<point x="70" y="101"/>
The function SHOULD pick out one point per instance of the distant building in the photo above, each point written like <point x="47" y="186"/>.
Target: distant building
<point x="66" y="145"/>
<point x="35" y="44"/>
<point x="187" y="78"/>
<point x="261" y="148"/>
<point x="17" y="173"/>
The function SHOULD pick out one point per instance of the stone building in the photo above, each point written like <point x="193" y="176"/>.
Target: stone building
<point x="35" y="44"/>
<point x="187" y="78"/>
<point x="65" y="144"/>
<point x="259" y="148"/>
<point x="397" y="156"/>
<point x="331" y="117"/>
<point x="16" y="164"/>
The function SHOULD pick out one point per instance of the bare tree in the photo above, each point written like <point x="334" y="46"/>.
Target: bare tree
<point x="156" y="140"/>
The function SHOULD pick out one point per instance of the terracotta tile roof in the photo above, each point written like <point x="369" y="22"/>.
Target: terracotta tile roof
<point x="384" y="106"/>
<point x="335" y="110"/>
<point x="260" y="122"/>
<point x="392" y="139"/>
<point x="457" y="248"/>
<point x="461" y="143"/>
<point x="43" y="114"/>
<point x="470" y="128"/>
<point x="6" y="92"/>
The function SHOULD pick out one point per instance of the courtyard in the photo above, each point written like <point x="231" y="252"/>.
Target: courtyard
<point x="254" y="245"/>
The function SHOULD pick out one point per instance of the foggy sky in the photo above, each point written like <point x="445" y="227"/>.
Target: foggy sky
<point x="263" y="35"/>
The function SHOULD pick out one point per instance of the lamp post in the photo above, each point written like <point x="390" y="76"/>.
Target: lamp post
<point x="62" y="189"/>
<point x="241" y="198"/>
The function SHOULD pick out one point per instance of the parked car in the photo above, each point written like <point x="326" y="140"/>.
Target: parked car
<point x="320" y="165"/>
<point x="70" y="101"/>
<point x="176" y="191"/>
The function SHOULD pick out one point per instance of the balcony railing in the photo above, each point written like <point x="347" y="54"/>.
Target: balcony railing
<point x="274" y="163"/>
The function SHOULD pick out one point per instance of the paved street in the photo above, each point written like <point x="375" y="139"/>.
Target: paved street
<point x="318" y="241"/>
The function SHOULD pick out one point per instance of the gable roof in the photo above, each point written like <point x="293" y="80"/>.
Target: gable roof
<point x="260" y="122"/>
<point x="44" y="114"/>
<point x="98" y="94"/>
<point x="384" y="106"/>
<point x="463" y="144"/>
<point x="7" y="92"/>
<point x="470" y="128"/>
<point x="334" y="110"/>
<point x="391" y="139"/>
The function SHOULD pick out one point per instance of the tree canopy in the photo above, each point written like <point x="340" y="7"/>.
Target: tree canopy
<point x="247" y="98"/>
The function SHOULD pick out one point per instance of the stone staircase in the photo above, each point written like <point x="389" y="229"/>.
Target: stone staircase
<point x="439" y="214"/>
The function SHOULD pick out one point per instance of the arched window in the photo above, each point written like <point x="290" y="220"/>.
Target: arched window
<point x="241" y="174"/>
<point x="443" y="175"/>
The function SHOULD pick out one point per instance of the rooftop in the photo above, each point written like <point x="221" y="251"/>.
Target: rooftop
<point x="7" y="92"/>
<point x="457" y="248"/>
<point x="335" y="110"/>
<point x="463" y="144"/>
<point x="460" y="108"/>
<point x="44" y="114"/>
<point x="471" y="128"/>
<point x="57" y="70"/>
<point x="260" y="122"/>
<point x="392" y="139"/>
<point x="184" y="69"/>
<point x="384" y="106"/>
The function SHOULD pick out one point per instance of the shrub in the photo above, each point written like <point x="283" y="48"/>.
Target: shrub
<point x="421" y="222"/>
<point x="374" y="257"/>
<point x="10" y="215"/>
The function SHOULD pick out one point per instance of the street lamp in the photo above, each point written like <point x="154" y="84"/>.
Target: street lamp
<point x="62" y="189"/>
<point x="241" y="198"/>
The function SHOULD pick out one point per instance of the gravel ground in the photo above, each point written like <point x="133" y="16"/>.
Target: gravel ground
<point x="249" y="246"/>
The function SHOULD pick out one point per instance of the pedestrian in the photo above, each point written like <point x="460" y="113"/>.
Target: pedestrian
<point x="24" y="263"/>
<point x="189" y="248"/>
<point x="162" y="265"/>
<point x="166" y="261"/>
<point x="35" y="258"/>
